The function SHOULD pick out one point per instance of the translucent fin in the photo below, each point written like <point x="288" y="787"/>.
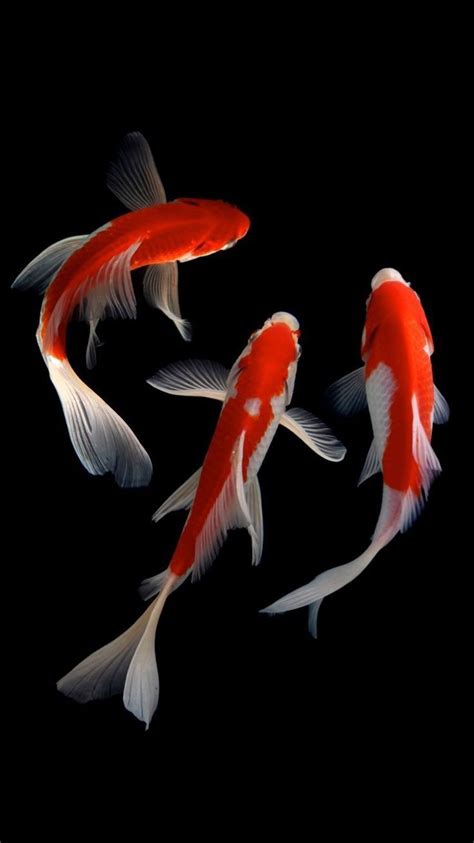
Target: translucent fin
<point x="254" y="502"/>
<point x="133" y="176"/>
<point x="93" y="343"/>
<point x="388" y="525"/>
<point x="397" y="513"/>
<point x="142" y="686"/>
<point x="347" y="395"/>
<point x="371" y="465"/>
<point x="153" y="585"/>
<point x="202" y="378"/>
<point x="182" y="498"/>
<point x="160" y="286"/>
<point x="324" y="584"/>
<point x="290" y="382"/>
<point x="103" y="673"/>
<point x="108" y="292"/>
<point x="40" y="272"/>
<point x="441" y="408"/>
<point x="380" y="388"/>
<point x="128" y="663"/>
<point x="428" y="465"/>
<point x="390" y="520"/>
<point x="314" y="433"/>
<point x="313" y="617"/>
<point x="229" y="511"/>
<point x="102" y="440"/>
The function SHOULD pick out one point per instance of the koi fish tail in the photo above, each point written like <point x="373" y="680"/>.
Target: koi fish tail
<point x="398" y="512"/>
<point x="102" y="440"/>
<point x="313" y="593"/>
<point x="394" y="513"/>
<point x="126" y="665"/>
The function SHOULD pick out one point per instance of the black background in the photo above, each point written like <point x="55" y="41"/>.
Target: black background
<point x="335" y="189"/>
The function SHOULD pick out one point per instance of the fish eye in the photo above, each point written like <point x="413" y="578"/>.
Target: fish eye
<point x="229" y="244"/>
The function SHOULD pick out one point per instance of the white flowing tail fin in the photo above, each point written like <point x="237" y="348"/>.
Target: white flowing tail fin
<point x="390" y="521"/>
<point x="324" y="584"/>
<point x="127" y="664"/>
<point x="102" y="440"/>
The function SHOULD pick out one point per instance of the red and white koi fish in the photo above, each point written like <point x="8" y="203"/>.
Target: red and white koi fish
<point x="93" y="273"/>
<point x="222" y="495"/>
<point x="396" y="382"/>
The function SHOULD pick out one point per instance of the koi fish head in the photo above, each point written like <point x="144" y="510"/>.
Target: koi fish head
<point x="377" y="305"/>
<point x="280" y="319"/>
<point x="273" y="349"/>
<point x="381" y="277"/>
<point x="225" y="223"/>
<point x="387" y="274"/>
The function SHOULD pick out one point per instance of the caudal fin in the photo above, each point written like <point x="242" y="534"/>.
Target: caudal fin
<point x="312" y="594"/>
<point x="322" y="585"/>
<point x="102" y="440"/>
<point x="127" y="664"/>
<point x="398" y="511"/>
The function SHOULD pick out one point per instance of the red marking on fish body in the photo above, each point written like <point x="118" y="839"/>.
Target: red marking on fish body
<point x="166" y="232"/>
<point x="263" y="373"/>
<point x="397" y="334"/>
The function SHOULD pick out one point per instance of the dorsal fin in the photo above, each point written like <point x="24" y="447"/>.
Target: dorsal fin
<point x="133" y="176"/>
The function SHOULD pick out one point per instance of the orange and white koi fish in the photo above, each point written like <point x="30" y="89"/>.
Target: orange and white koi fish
<point x="222" y="495"/>
<point x="396" y="382"/>
<point x="93" y="274"/>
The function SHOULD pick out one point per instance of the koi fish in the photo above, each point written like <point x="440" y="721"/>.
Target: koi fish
<point x="396" y="382"/>
<point x="222" y="495"/>
<point x="93" y="274"/>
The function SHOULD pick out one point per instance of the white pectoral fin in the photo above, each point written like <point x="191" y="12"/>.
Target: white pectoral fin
<point x="41" y="270"/>
<point x="229" y="511"/>
<point x="314" y="433"/>
<point x="160" y="286"/>
<point x="441" y="408"/>
<point x="107" y="292"/>
<point x="255" y="528"/>
<point x="133" y="176"/>
<point x="381" y="386"/>
<point x="201" y="378"/>
<point x="428" y="465"/>
<point x="371" y="465"/>
<point x="182" y="498"/>
<point x="347" y="395"/>
<point x="423" y="453"/>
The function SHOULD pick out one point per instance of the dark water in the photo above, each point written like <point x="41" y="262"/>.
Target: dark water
<point x="330" y="203"/>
